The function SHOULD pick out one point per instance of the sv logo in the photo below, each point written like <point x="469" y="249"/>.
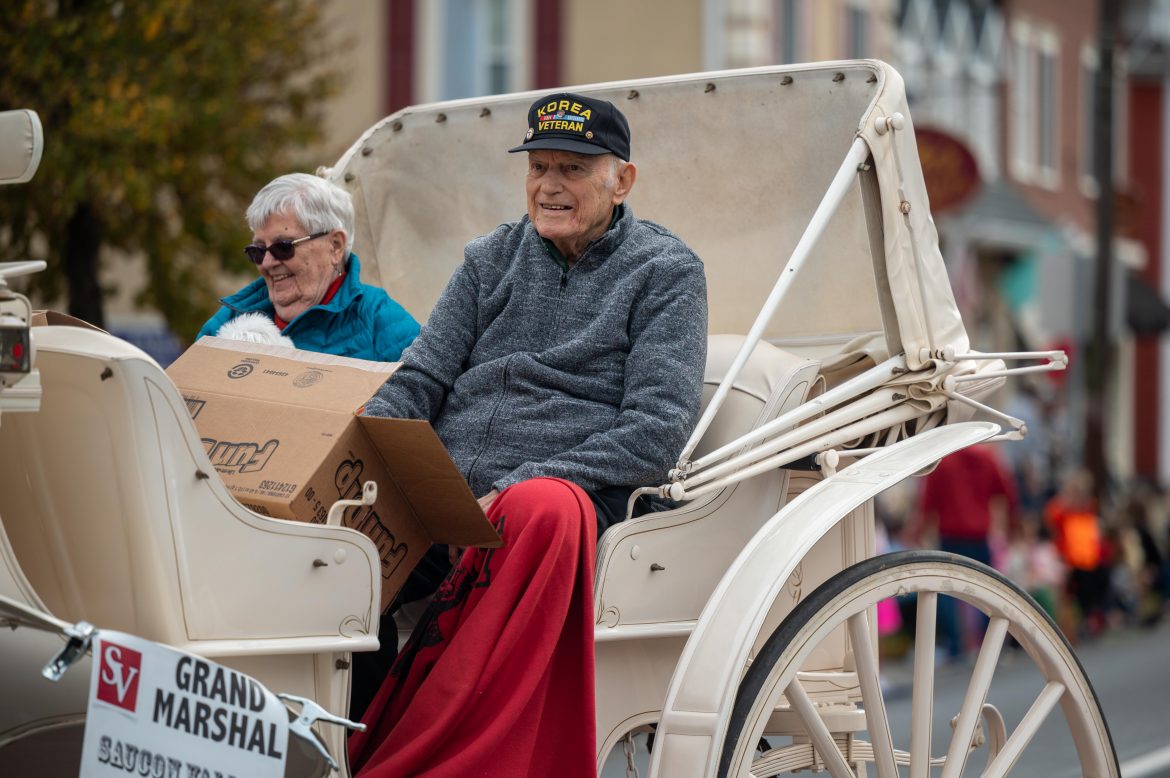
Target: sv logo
<point x="118" y="676"/>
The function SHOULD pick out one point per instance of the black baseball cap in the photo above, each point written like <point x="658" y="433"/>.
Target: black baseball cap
<point x="572" y="122"/>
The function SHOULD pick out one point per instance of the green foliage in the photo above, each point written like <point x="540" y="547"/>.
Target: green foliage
<point x="164" y="117"/>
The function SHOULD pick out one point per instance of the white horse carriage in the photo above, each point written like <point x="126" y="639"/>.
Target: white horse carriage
<point x="741" y="623"/>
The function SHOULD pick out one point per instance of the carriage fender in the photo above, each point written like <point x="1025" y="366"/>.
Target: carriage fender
<point x="703" y="688"/>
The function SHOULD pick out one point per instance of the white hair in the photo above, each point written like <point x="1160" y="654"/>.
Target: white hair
<point x="319" y="205"/>
<point x="614" y="167"/>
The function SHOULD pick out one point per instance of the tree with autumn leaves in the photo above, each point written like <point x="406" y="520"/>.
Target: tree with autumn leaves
<point x="161" y="120"/>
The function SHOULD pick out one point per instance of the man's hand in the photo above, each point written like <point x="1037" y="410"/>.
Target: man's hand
<point x="455" y="552"/>
<point x="488" y="499"/>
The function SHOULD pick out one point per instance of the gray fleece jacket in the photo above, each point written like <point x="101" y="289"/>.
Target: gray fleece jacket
<point x="591" y="373"/>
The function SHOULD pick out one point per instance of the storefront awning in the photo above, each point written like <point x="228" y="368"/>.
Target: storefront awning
<point x="1001" y="217"/>
<point x="1146" y="313"/>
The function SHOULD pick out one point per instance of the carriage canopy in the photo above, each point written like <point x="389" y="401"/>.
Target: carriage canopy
<point x="734" y="162"/>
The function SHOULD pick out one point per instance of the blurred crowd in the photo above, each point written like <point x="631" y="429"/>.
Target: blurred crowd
<point x="1025" y="509"/>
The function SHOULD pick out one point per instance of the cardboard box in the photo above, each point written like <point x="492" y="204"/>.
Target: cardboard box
<point x="278" y="425"/>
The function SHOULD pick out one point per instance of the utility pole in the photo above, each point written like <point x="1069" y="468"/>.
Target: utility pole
<point x="1101" y="350"/>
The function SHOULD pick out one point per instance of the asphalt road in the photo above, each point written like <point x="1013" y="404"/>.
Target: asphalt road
<point x="1129" y="669"/>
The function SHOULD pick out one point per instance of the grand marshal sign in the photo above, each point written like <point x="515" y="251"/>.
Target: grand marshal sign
<point x="158" y="712"/>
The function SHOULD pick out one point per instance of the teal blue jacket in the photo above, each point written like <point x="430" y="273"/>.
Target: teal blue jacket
<point x="360" y="321"/>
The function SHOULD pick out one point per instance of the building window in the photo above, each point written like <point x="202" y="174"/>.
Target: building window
<point x="499" y="65"/>
<point x="763" y="32"/>
<point x="1035" y="106"/>
<point x="1046" y="139"/>
<point x="474" y="48"/>
<point x="787" y="28"/>
<point x="857" y="32"/>
<point x="747" y="24"/>
<point x="1086" y="151"/>
<point x="1023" y="106"/>
<point x="1088" y="114"/>
<point x="1120" y="119"/>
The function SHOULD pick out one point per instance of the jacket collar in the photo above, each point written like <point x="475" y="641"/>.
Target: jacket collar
<point x="619" y="228"/>
<point x="254" y="296"/>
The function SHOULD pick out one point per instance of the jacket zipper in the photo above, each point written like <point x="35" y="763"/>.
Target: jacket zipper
<point x="487" y="434"/>
<point x="555" y="331"/>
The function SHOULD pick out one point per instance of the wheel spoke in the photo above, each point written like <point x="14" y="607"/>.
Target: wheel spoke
<point x="817" y="731"/>
<point x="831" y="708"/>
<point x="976" y="696"/>
<point x="871" y="694"/>
<point x="922" y="703"/>
<point x="1023" y="734"/>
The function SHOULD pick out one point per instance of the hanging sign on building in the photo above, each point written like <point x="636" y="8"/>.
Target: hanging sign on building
<point x="949" y="167"/>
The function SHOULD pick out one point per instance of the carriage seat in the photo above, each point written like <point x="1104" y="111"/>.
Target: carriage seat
<point x="116" y="517"/>
<point x="698" y="547"/>
<point x="695" y="543"/>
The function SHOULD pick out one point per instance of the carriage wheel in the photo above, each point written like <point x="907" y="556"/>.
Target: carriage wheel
<point x="847" y="600"/>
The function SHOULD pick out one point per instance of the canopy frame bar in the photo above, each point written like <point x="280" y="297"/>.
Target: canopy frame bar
<point x="834" y="196"/>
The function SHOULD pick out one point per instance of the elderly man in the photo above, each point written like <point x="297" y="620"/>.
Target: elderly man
<point x="562" y="367"/>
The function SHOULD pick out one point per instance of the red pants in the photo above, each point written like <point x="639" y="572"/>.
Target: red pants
<point x="497" y="678"/>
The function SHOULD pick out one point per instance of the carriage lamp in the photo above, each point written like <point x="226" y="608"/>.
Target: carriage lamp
<point x="20" y="388"/>
<point x="19" y="383"/>
<point x="14" y="346"/>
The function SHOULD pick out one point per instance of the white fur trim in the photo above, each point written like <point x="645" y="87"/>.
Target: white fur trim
<point x="254" y="328"/>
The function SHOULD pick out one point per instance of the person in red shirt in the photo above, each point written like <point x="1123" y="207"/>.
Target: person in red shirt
<point x="964" y="501"/>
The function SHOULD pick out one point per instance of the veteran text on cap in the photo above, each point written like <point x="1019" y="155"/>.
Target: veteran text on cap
<point x="572" y="122"/>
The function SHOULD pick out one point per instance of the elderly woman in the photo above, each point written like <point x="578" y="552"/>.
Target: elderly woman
<point x="309" y="284"/>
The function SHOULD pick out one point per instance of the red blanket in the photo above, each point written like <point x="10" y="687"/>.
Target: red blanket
<point x="497" y="679"/>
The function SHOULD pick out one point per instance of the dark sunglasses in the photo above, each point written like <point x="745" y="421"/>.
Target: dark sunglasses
<point x="282" y="250"/>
